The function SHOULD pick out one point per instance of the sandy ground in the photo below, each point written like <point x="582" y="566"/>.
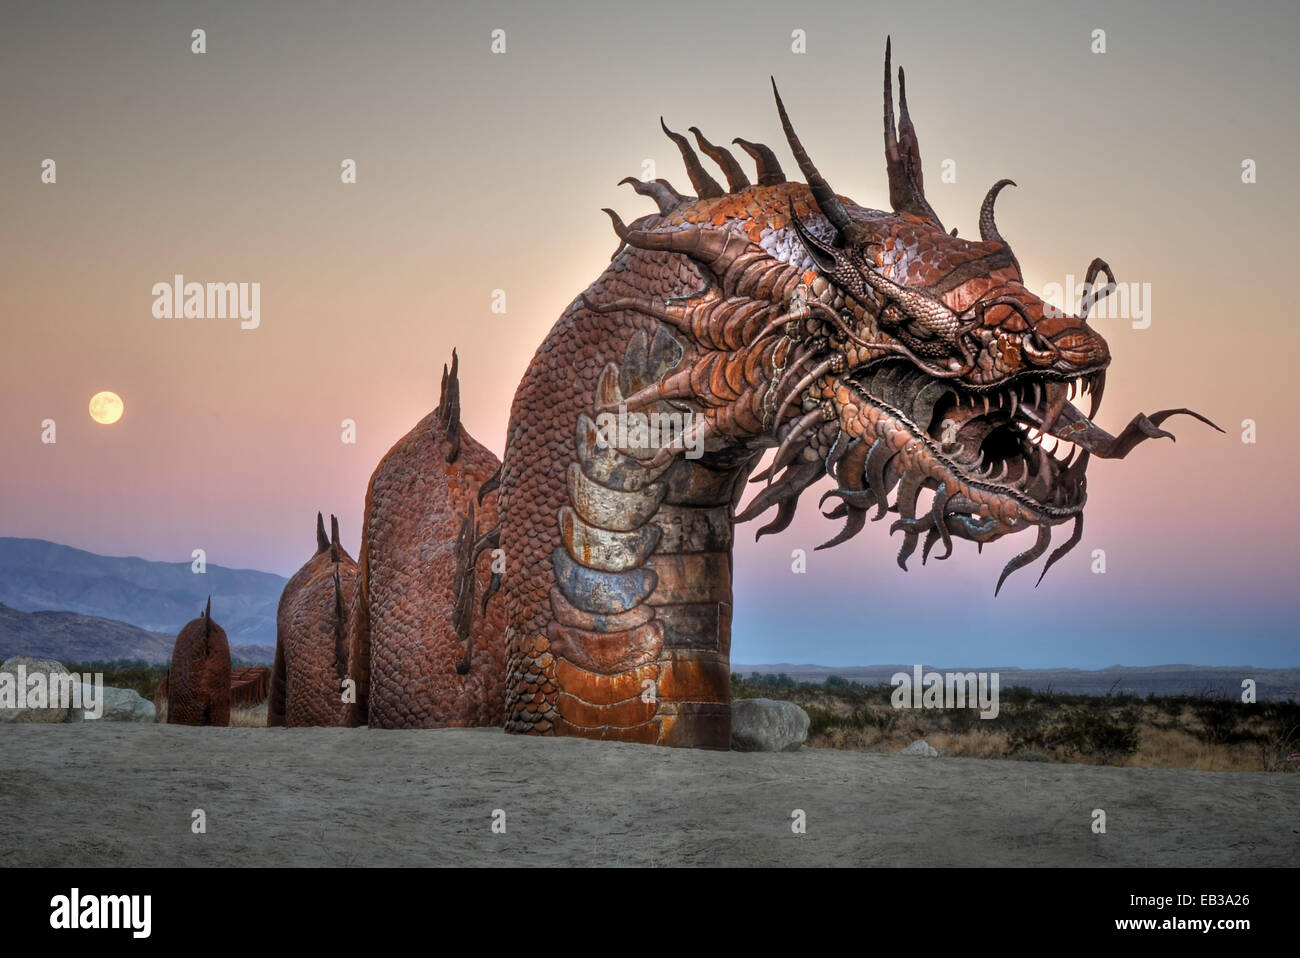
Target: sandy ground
<point x="117" y="794"/>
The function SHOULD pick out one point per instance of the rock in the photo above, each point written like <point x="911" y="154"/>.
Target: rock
<point x="766" y="725"/>
<point x="919" y="747"/>
<point x="120" y="705"/>
<point x="21" y="668"/>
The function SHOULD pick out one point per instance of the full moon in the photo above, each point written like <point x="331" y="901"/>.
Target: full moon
<point x="106" y="407"/>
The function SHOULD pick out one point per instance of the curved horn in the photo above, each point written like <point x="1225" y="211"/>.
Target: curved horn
<point x="655" y="190"/>
<point x="736" y="178"/>
<point x="769" y="169"/>
<point x="827" y="201"/>
<point x="821" y="254"/>
<point x="679" y="197"/>
<point x="706" y="187"/>
<point x="988" y="228"/>
<point x="717" y="249"/>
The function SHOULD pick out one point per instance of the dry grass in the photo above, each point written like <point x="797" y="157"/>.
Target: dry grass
<point x="1187" y="732"/>
<point x="241" y="716"/>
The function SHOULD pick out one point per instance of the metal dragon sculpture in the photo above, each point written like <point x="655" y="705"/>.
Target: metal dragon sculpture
<point x="198" y="681"/>
<point x="311" y="652"/>
<point x="873" y="347"/>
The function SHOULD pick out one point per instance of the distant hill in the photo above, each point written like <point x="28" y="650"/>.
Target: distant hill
<point x="157" y="597"/>
<point x="1214" y="681"/>
<point x="73" y="637"/>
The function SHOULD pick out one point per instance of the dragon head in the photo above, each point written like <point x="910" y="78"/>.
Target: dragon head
<point x="943" y="370"/>
<point x="879" y="349"/>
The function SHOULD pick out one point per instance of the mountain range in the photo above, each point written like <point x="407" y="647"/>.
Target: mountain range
<point x="73" y="637"/>
<point x="157" y="597"/>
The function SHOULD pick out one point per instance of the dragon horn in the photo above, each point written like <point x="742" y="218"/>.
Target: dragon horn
<point x="769" y="168"/>
<point x="655" y="190"/>
<point x="706" y="187"/>
<point x="827" y="201"/>
<point x="903" y="153"/>
<point x="736" y="178"/>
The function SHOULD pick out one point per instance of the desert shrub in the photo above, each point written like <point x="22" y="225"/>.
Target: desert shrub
<point x="126" y="674"/>
<point x="821" y="720"/>
<point x="1015" y="695"/>
<point x="1219" y="721"/>
<point x="1101" y="735"/>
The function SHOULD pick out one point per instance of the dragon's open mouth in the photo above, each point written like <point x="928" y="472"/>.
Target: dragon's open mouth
<point x="999" y="459"/>
<point x="1022" y="438"/>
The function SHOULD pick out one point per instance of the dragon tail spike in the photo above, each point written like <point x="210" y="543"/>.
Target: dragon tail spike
<point x="706" y="187"/>
<point x="449" y="407"/>
<point x="1060" y="551"/>
<point x="769" y="168"/>
<point x="1026" y="557"/>
<point x="736" y="178"/>
<point x="655" y="190"/>
<point x="322" y="542"/>
<point x="827" y="201"/>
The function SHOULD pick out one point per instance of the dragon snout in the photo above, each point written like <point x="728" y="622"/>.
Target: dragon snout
<point x="1071" y="351"/>
<point x="1081" y="348"/>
